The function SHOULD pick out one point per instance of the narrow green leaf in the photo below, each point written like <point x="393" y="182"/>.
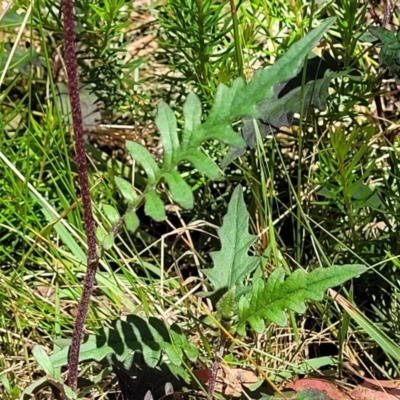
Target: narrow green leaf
<point x="143" y="156"/>
<point x="203" y="164"/>
<point x="166" y="124"/>
<point x="192" y="114"/>
<point x="180" y="190"/>
<point x="373" y="330"/>
<point x="131" y="221"/>
<point x="61" y="229"/>
<point x="112" y="214"/>
<point x="243" y="306"/>
<point x="43" y="360"/>
<point x="154" y="207"/>
<point x="126" y="189"/>
<point x="232" y="264"/>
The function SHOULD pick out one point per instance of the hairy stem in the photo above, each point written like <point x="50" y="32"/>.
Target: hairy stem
<point x="92" y="261"/>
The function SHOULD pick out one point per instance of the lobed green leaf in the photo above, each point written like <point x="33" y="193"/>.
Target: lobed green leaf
<point x="232" y="264"/>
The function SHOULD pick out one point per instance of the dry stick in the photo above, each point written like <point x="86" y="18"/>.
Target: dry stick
<point x="93" y="260"/>
<point x="217" y="363"/>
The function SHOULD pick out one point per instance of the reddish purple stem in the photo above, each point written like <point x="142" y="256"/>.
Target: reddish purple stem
<point x="92" y="261"/>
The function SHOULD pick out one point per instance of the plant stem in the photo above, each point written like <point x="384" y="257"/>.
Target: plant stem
<point x="92" y="261"/>
<point x="236" y="36"/>
<point x="347" y="201"/>
<point x="203" y="48"/>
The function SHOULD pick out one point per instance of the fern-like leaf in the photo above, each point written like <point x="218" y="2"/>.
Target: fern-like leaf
<point x="120" y="342"/>
<point x="269" y="301"/>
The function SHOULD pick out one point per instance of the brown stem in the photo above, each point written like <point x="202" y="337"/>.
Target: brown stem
<point x="217" y="363"/>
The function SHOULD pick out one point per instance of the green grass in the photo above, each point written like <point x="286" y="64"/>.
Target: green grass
<point x="327" y="193"/>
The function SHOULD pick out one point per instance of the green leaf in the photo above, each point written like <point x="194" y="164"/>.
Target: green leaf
<point x="166" y="124"/>
<point x="100" y="234"/>
<point x="269" y="301"/>
<point x="61" y="342"/>
<point x="71" y="395"/>
<point x="175" y="355"/>
<point x="126" y="189"/>
<point x="367" y="196"/>
<point x="43" y="360"/>
<point x="124" y="338"/>
<point x="180" y="341"/>
<point x="191" y="351"/>
<point x="12" y="19"/>
<point x="90" y="109"/>
<point x="389" y="55"/>
<point x="108" y="242"/>
<point x="112" y="214"/>
<point x="61" y="229"/>
<point x="221" y="110"/>
<point x="232" y="264"/>
<point x="241" y="100"/>
<point x="21" y="60"/>
<point x="33" y="389"/>
<point x="276" y="112"/>
<point x="287" y="67"/>
<point x="203" y="164"/>
<point x="153" y="206"/>
<point x="192" y="114"/>
<point x="143" y="156"/>
<point x="90" y="350"/>
<point x="309" y="87"/>
<point x="224" y="133"/>
<point x="180" y="190"/>
<point x="131" y="221"/>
